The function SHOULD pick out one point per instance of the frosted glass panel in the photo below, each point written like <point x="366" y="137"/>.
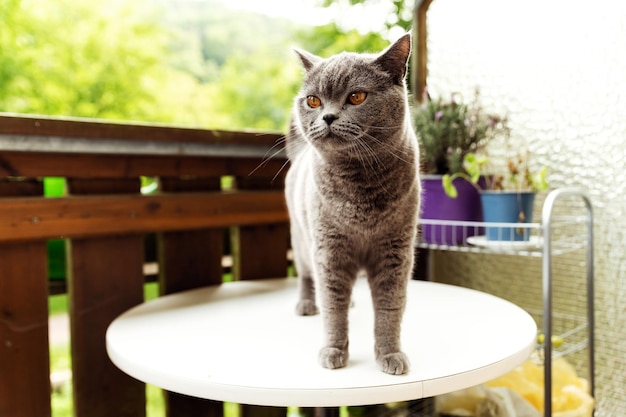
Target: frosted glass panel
<point x="558" y="70"/>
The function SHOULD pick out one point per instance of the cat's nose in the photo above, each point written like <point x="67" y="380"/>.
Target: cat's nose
<point x="330" y="118"/>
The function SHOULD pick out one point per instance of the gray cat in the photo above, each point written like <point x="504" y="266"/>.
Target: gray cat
<point x="353" y="194"/>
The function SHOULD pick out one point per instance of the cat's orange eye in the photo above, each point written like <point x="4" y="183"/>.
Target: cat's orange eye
<point x="357" y="98"/>
<point x="313" y="102"/>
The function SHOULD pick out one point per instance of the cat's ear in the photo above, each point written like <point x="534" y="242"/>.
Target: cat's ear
<point x="394" y="59"/>
<point x="307" y="58"/>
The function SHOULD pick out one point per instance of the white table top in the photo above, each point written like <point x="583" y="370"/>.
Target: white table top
<point x="242" y="342"/>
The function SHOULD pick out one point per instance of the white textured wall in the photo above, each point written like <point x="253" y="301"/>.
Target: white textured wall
<point x="558" y="69"/>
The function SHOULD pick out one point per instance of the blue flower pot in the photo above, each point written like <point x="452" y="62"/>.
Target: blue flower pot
<point x="505" y="207"/>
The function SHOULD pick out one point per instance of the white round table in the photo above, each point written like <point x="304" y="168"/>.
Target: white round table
<point x="242" y="342"/>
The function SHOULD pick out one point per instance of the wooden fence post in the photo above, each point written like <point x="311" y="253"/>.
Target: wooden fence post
<point x="187" y="260"/>
<point x="24" y="352"/>
<point x="260" y="252"/>
<point x="105" y="279"/>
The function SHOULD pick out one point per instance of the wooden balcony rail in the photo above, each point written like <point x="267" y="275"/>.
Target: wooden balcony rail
<point x="104" y="218"/>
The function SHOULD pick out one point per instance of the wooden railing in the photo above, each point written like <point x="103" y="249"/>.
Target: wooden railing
<point x="104" y="218"/>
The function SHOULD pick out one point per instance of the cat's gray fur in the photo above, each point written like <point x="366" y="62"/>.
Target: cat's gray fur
<point x="353" y="195"/>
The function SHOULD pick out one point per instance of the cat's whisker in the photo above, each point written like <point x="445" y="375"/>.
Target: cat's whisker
<point x="280" y="170"/>
<point x="373" y="157"/>
<point x="378" y="171"/>
<point x="281" y="141"/>
<point x="357" y="145"/>
<point x="386" y="147"/>
<point x="301" y="145"/>
<point x="392" y="149"/>
<point x="376" y="166"/>
<point x="266" y="159"/>
<point x="391" y="127"/>
<point x="373" y="162"/>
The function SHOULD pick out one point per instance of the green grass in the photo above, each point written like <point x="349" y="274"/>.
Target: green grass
<point x="57" y="304"/>
<point x="150" y="291"/>
<point x="60" y="360"/>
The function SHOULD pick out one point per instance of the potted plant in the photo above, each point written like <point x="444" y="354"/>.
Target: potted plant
<point x="447" y="131"/>
<point x="506" y="198"/>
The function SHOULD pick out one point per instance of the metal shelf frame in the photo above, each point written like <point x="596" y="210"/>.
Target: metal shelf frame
<point x="548" y="238"/>
<point x="548" y="228"/>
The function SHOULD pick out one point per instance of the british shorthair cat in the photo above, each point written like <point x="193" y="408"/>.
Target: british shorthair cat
<point x="353" y="194"/>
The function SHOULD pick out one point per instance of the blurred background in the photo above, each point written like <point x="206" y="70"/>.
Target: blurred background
<point x="202" y="63"/>
<point x="555" y="68"/>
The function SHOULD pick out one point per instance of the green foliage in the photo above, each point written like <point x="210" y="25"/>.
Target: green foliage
<point x="205" y="34"/>
<point x="474" y="165"/>
<point x="257" y="90"/>
<point x="92" y="59"/>
<point x="448" y="130"/>
<point x="400" y="15"/>
<point x="185" y="62"/>
<point x="519" y="178"/>
<point x="61" y="361"/>
<point x="329" y="39"/>
<point x="57" y="304"/>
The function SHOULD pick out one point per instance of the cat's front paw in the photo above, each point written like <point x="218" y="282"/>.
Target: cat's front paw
<point x="333" y="358"/>
<point x="394" y="363"/>
<point x="306" y="308"/>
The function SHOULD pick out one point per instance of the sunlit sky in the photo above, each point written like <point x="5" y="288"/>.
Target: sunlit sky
<point x="365" y="19"/>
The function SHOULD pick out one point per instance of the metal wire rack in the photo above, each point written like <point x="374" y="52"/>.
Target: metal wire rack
<point x="570" y="335"/>
<point x="469" y="236"/>
<point x="552" y="236"/>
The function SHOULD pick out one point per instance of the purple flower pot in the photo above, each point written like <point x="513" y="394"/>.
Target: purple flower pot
<point x="437" y="205"/>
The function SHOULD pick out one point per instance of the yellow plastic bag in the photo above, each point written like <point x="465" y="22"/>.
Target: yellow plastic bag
<point x="481" y="401"/>
<point x="570" y="393"/>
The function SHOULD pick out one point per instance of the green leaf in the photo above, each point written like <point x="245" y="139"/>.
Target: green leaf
<point x="473" y="165"/>
<point x="540" y="182"/>
<point x="448" y="186"/>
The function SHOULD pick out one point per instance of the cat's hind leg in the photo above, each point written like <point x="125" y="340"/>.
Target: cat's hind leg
<point x="306" y="305"/>
<point x="302" y="259"/>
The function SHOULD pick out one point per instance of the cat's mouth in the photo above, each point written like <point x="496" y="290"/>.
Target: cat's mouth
<point x="335" y="136"/>
<point x="334" y="141"/>
<point x="331" y="137"/>
<point x="338" y="134"/>
<point x="326" y="136"/>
